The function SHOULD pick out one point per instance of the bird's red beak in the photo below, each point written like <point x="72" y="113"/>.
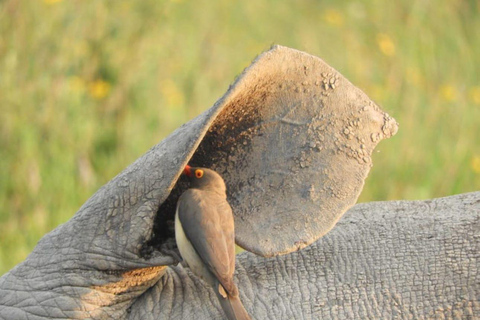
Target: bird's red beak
<point x="187" y="171"/>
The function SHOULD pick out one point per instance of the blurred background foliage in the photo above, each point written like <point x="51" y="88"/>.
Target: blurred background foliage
<point x="86" y="87"/>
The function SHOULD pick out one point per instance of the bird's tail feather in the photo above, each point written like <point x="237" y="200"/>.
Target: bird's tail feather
<point x="233" y="307"/>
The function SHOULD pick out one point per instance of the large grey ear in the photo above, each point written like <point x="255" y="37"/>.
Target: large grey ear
<point x="293" y="140"/>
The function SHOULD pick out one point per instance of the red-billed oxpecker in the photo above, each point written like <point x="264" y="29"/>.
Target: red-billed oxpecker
<point x="205" y="234"/>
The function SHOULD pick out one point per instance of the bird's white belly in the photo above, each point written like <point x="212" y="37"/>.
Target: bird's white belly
<point x="189" y="254"/>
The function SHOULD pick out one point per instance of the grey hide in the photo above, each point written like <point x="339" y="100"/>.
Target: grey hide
<point x="383" y="260"/>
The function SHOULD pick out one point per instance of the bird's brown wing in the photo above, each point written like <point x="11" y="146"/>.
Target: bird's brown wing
<point x="207" y="221"/>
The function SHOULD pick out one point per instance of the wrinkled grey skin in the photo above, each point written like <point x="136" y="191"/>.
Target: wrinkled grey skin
<point x="293" y="140"/>
<point x="383" y="260"/>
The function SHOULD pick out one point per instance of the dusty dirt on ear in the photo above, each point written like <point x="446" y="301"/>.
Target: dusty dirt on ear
<point x="293" y="142"/>
<point x="231" y="134"/>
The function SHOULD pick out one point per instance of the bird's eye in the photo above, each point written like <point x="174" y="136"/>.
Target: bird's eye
<point x="198" y="173"/>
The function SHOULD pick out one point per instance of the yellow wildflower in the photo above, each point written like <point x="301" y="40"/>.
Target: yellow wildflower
<point x="448" y="92"/>
<point x="333" y="17"/>
<point x="99" y="89"/>
<point x="385" y="44"/>
<point x="476" y="164"/>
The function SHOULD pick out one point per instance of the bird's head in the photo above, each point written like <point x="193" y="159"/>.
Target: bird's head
<point x="205" y="179"/>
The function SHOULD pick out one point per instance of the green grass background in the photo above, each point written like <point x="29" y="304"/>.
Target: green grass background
<point x="86" y="87"/>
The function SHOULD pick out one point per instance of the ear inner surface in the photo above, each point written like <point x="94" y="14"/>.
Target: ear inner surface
<point x="293" y="142"/>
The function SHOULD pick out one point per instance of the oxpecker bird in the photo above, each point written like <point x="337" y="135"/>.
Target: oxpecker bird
<point x="205" y="235"/>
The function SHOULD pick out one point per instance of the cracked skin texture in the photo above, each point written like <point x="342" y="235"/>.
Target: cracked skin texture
<point x="383" y="260"/>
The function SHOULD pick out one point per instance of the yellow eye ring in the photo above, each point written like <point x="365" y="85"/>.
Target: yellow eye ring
<point x="198" y="173"/>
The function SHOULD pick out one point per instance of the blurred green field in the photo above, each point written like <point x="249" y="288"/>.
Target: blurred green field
<point x="86" y="87"/>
